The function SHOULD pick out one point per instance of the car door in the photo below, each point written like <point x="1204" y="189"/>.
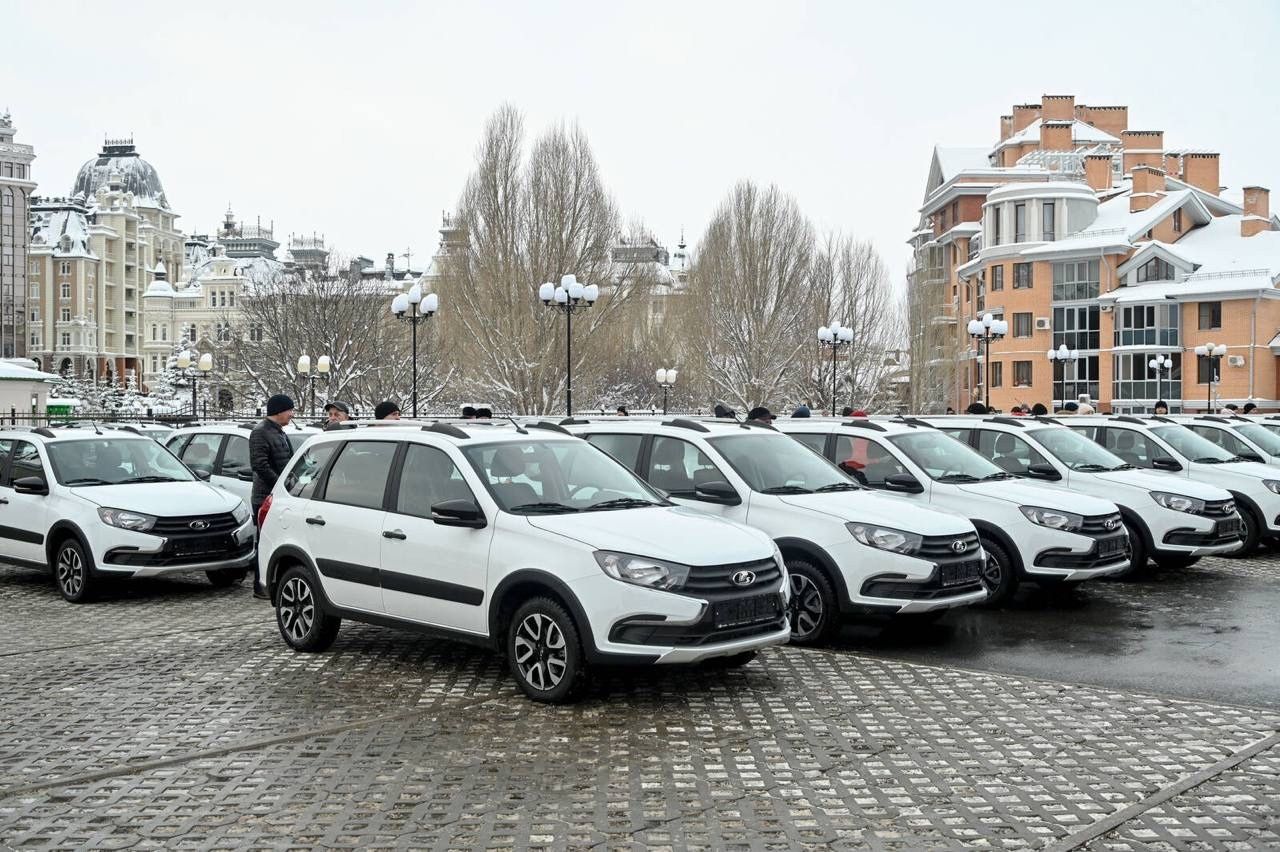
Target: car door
<point x="677" y="466"/>
<point x="201" y="452"/>
<point x="1011" y="453"/>
<point x="430" y="572"/>
<point x="870" y="462"/>
<point x="24" y="518"/>
<point x="233" y="472"/>
<point x="1133" y="447"/>
<point x="344" y="523"/>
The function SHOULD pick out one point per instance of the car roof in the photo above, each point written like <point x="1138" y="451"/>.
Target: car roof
<point x="688" y="427"/>
<point x="460" y="433"/>
<point x="41" y="434"/>
<point x="231" y="427"/>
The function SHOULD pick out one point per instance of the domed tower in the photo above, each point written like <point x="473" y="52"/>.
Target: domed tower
<point x="137" y="175"/>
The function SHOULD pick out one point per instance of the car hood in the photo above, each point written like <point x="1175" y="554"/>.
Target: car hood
<point x="870" y="507"/>
<point x="162" y="499"/>
<point x="1243" y="470"/>
<point x="1165" y="482"/>
<point x="674" y="533"/>
<point x="1024" y="493"/>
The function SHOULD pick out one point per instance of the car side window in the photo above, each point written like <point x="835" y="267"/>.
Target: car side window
<point x="1011" y="453"/>
<point x="26" y="462"/>
<point x="304" y="475"/>
<point x="427" y="477"/>
<point x="961" y="435"/>
<point x="235" y="457"/>
<point x="1133" y="447"/>
<point x="624" y="448"/>
<point x="201" y="452"/>
<point x="6" y="446"/>
<point x="358" y="476"/>
<point x="1090" y="432"/>
<point x="176" y="443"/>
<point x="1223" y="439"/>
<point x="866" y="461"/>
<point x="677" y="466"/>
<point x="817" y="443"/>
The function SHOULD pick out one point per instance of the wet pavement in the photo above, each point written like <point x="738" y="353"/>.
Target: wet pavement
<point x="172" y="716"/>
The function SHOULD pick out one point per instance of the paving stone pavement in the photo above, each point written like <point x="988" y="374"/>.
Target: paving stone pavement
<point x="171" y="716"/>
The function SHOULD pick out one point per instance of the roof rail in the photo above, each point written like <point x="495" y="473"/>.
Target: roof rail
<point x="552" y="427"/>
<point x="43" y="432"/>
<point x="573" y="421"/>
<point x="864" y="424"/>
<point x="1007" y="421"/>
<point x="245" y="425"/>
<point x="1213" y="418"/>
<point x="685" y="423"/>
<point x="1160" y="419"/>
<point x="128" y="428"/>
<point x="446" y="429"/>
<point x="913" y="421"/>
<point x="1044" y="418"/>
<point x="1128" y="418"/>
<point x="752" y="424"/>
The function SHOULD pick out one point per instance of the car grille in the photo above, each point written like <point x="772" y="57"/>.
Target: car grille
<point x="718" y="579"/>
<point x="171" y="527"/>
<point x="1095" y="526"/>
<point x="940" y="549"/>
<point x="1219" y="509"/>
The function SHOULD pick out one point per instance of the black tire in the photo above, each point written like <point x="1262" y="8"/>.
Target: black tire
<point x="73" y="571"/>
<point x="1175" y="561"/>
<point x="304" y="624"/>
<point x="1252" y="533"/>
<point x="734" y="661"/>
<point x="1139" y="555"/>
<point x="223" y="578"/>
<point x="999" y="574"/>
<point x="544" y="652"/>
<point x="814" y="612"/>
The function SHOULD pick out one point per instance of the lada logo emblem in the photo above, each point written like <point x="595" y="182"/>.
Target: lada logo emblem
<point x="1111" y="523"/>
<point x="959" y="546"/>
<point x="743" y="578"/>
<point x="199" y="525"/>
<point x="1228" y="507"/>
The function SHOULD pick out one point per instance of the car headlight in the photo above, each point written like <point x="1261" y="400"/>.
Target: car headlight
<point x="1054" y="519"/>
<point x="1273" y="485"/>
<point x="642" y="571"/>
<point x="885" y="538"/>
<point x="1180" y="502"/>
<point x="782" y="570"/>
<point x="127" y="520"/>
<point x="241" y="513"/>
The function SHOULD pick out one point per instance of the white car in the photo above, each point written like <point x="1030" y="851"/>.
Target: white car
<point x="90" y="504"/>
<point x="222" y="451"/>
<point x="1029" y="531"/>
<point x="1240" y="436"/>
<point x="1160" y="443"/>
<point x="1172" y="522"/>
<point x="849" y="550"/>
<point x="526" y="540"/>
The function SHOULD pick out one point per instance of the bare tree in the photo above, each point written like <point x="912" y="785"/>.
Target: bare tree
<point x="932" y="349"/>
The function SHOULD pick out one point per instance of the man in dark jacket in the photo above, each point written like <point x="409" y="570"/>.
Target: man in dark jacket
<point x="269" y="453"/>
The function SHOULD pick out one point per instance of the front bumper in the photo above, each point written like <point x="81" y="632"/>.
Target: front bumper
<point x="1106" y="555"/>
<point x="1221" y="535"/>
<point x="151" y="556"/>
<point x="880" y="581"/>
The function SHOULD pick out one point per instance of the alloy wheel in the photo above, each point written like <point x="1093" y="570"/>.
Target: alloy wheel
<point x="540" y="651"/>
<point x="70" y="571"/>
<point x="992" y="571"/>
<point x="805" y="610"/>
<point x="297" y="608"/>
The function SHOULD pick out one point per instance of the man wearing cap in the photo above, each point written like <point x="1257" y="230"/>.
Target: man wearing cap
<point x="387" y="410"/>
<point x="338" y="413"/>
<point x="760" y="414"/>
<point x="269" y="453"/>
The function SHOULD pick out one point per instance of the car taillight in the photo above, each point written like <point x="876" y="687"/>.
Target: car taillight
<point x="262" y="511"/>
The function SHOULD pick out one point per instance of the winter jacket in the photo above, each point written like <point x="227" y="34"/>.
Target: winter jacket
<point x="269" y="453"/>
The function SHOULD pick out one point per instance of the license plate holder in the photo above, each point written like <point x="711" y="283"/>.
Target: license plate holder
<point x="742" y="611"/>
<point x="959" y="574"/>
<point x="1111" y="547"/>
<point x="202" y="545"/>
<point x="1228" y="526"/>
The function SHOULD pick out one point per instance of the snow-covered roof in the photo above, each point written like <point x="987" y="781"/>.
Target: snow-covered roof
<point x="952" y="161"/>
<point x="12" y="372"/>
<point x="1244" y="285"/>
<point x="158" y="288"/>
<point x="252" y="269"/>
<point x="50" y="226"/>
<point x="1082" y="133"/>
<point x="1116" y="226"/>
<point x="138" y="176"/>
<point x="1218" y="248"/>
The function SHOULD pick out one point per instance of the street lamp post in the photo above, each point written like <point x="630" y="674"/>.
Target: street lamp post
<point x="836" y="337"/>
<point x="1214" y="353"/>
<point x="571" y="295"/>
<point x="984" y="331"/>
<point x="414" y="307"/>
<point x="1064" y="356"/>
<point x="1161" y="365"/>
<point x="304" y="368"/>
<point x="666" y="381"/>
<point x="201" y="367"/>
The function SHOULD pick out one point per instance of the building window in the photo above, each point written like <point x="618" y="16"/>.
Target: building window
<point x="64" y="267"/>
<point x="224" y="332"/>
<point x="1134" y="379"/>
<point x="1076" y="279"/>
<point x="995" y="225"/>
<point x="1022" y="325"/>
<point x="1205" y="372"/>
<point x="1210" y="315"/>
<point x="997" y="278"/>
<point x="65" y="315"/>
<point x="1147" y="325"/>
<point x="164" y="332"/>
<point x="1022" y="374"/>
<point x="1047" y="221"/>
<point x="1019" y="223"/>
<point x="1155" y="269"/>
<point x="1177" y="221"/>
<point x="255" y="333"/>
<point x="65" y="291"/>
<point x="1022" y="276"/>
<point x="1076" y="326"/>
<point x="66" y="338"/>
<point x="997" y="374"/>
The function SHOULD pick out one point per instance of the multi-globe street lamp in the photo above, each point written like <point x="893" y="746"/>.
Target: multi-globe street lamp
<point x="666" y="380"/>
<point x="415" y="306"/>
<point x="836" y="337"/>
<point x="194" y="365"/>
<point x="1214" y="353"/>
<point x="1063" y="356"/>
<point x="322" y="366"/>
<point x="571" y="295"/>
<point x="984" y="331"/>
<point x="1161" y="365"/>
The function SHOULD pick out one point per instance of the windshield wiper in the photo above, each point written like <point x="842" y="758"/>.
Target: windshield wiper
<point x="838" y="486"/>
<point x="1238" y="459"/>
<point x="622" y="503"/>
<point x="997" y="475"/>
<point x="1125" y="466"/>
<point x="958" y="477"/>
<point x="87" y="480"/>
<point x="149" y="478"/>
<point x="1209" y="460"/>
<point x="1091" y="467"/>
<point x="786" y="489"/>
<point x="542" y="508"/>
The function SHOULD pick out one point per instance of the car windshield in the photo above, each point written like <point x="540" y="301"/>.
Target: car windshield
<point x="775" y="464"/>
<point x="554" y="477"/>
<point x="1075" y="450"/>
<point x="1191" y="446"/>
<point x="114" y="461"/>
<point x="1262" y="436"/>
<point x="945" y="459"/>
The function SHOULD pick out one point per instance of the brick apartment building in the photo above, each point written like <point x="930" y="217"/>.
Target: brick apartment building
<point x="1078" y="231"/>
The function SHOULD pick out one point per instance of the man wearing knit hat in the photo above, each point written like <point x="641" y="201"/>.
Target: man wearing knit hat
<point x="269" y="453"/>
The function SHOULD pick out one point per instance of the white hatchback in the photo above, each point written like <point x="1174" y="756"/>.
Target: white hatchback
<point x="221" y="450"/>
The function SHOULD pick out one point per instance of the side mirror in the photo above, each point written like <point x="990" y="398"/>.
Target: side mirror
<point x="200" y="474"/>
<point x="717" y="491"/>
<point x="458" y="513"/>
<point x="31" y="485"/>
<point x="903" y="482"/>
<point x="245" y="476"/>
<point x="1166" y="463"/>
<point x="1043" y="471"/>
<point x="1253" y="457"/>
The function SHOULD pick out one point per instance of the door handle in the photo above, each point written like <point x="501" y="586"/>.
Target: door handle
<point x="316" y="521"/>
<point x="396" y="534"/>
<point x="4" y="501"/>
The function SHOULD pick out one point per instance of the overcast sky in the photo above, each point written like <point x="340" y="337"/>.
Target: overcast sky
<point x="360" y="120"/>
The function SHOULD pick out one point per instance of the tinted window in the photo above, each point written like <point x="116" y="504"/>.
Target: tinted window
<point x="817" y="443"/>
<point x="624" y="448"/>
<point x="175" y="443"/>
<point x="1010" y="453"/>
<point x="1260" y="435"/>
<point x="428" y="477"/>
<point x="297" y="439"/>
<point x="235" y="457"/>
<point x="301" y="481"/>
<point x="359" y="476"/>
<point x="5" y="447"/>
<point x="1135" y="448"/>
<point x="26" y="461"/>
<point x="677" y="466"/>
<point x="1191" y="445"/>
<point x="1223" y="439"/>
<point x="868" y="462"/>
<point x="201" y="452"/>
